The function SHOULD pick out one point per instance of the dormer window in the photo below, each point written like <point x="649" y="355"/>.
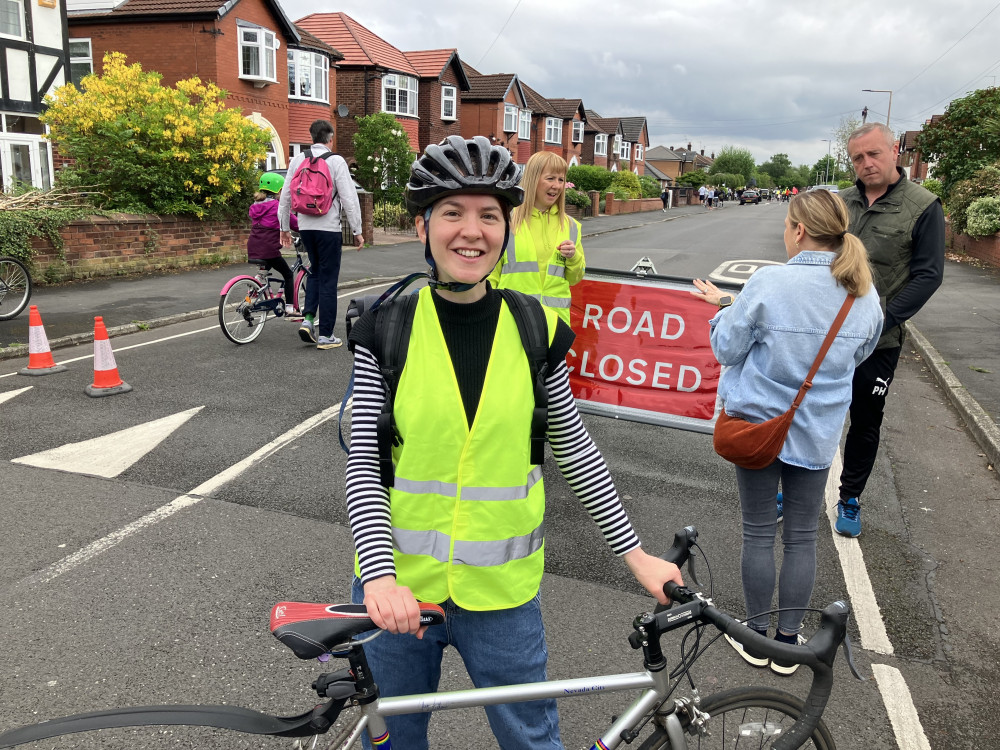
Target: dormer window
<point x="258" y="56"/>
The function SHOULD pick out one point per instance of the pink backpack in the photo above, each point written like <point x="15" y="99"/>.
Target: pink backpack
<point x="312" y="186"/>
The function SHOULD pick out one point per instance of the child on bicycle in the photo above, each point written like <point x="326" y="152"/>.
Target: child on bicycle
<point x="264" y="243"/>
<point x="462" y="524"/>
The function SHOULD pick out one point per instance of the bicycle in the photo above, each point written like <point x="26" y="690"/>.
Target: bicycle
<point x="246" y="301"/>
<point x="15" y="287"/>
<point x="757" y="716"/>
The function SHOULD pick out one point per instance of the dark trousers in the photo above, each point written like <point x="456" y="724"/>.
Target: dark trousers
<point x="323" y="249"/>
<point x="869" y="390"/>
<point x="281" y="266"/>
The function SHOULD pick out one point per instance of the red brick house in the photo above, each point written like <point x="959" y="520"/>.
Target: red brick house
<point x="442" y="80"/>
<point x="495" y="106"/>
<point x="595" y="144"/>
<point x="312" y="87"/>
<point x="236" y="45"/>
<point x="374" y="76"/>
<point x="911" y="158"/>
<point x="666" y="162"/>
<point x="612" y="127"/>
<point x="635" y="136"/>
<point x="574" y="123"/>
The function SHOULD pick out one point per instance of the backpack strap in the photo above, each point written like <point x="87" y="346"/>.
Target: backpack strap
<point x="534" y="330"/>
<point x="393" y="325"/>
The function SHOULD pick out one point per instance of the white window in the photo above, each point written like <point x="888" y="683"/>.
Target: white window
<point x="617" y="144"/>
<point x="509" y="118"/>
<point x="577" y="131"/>
<point x="258" y="55"/>
<point x="626" y="151"/>
<point x="553" y="130"/>
<point x="24" y="153"/>
<point x="449" y="99"/>
<point x="601" y="144"/>
<point x="399" y="94"/>
<point x="638" y="152"/>
<point x="11" y="15"/>
<point x="524" y="125"/>
<point x="81" y="60"/>
<point x="308" y="75"/>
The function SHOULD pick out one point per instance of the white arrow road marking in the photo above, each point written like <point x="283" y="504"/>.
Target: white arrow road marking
<point x="109" y="455"/>
<point x="10" y="394"/>
<point x="739" y="271"/>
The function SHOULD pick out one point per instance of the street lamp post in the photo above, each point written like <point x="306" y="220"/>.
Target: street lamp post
<point x="883" y="91"/>
<point x="827" y="181"/>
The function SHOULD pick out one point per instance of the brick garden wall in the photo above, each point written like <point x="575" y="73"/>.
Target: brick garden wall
<point x="984" y="248"/>
<point x="613" y="207"/>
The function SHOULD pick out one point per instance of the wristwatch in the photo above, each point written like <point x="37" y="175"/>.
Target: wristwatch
<point x="725" y="300"/>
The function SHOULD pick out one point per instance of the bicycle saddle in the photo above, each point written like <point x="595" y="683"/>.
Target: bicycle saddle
<point x="311" y="630"/>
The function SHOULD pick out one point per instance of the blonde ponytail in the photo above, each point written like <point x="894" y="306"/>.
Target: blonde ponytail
<point x="851" y="268"/>
<point x="824" y="216"/>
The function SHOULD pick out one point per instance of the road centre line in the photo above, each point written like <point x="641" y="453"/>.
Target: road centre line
<point x="193" y="497"/>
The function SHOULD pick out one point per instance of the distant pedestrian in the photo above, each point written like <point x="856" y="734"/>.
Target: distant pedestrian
<point x="321" y="233"/>
<point x="664" y="198"/>
<point x="701" y="193"/>
<point x="264" y="242"/>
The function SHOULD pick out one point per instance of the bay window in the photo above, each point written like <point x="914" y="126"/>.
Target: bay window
<point x="399" y="94"/>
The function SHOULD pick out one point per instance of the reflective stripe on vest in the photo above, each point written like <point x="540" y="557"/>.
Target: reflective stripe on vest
<point x="520" y="270"/>
<point x="467" y="506"/>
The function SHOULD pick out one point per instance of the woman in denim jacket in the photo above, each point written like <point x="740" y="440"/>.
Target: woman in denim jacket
<point x="767" y="340"/>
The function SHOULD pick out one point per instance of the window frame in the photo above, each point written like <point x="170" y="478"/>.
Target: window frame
<point x="625" y="151"/>
<point x="638" y="152"/>
<point x="601" y="144"/>
<point x="616" y="146"/>
<point x="553" y="126"/>
<point x="511" y="113"/>
<point x="265" y="54"/>
<point x="449" y="93"/>
<point x="40" y="162"/>
<point x="400" y="82"/>
<point x="23" y="35"/>
<point x="319" y="72"/>
<point x="524" y="124"/>
<point x="577" y="131"/>
<point x="79" y="59"/>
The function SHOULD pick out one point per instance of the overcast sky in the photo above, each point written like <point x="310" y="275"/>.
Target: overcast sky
<point x="771" y="76"/>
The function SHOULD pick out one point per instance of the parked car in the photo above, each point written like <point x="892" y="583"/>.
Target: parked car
<point x="750" y="196"/>
<point x="765" y="194"/>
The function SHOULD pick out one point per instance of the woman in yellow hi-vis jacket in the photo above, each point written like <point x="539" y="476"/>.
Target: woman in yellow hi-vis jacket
<point x="462" y="524"/>
<point x="545" y="257"/>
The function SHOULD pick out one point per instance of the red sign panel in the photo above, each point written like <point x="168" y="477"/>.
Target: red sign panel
<point x="644" y="346"/>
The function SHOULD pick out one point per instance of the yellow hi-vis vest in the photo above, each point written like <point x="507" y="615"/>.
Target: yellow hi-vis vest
<point x="467" y="506"/>
<point x="519" y="269"/>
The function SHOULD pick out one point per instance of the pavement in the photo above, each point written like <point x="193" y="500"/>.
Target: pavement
<point x="957" y="333"/>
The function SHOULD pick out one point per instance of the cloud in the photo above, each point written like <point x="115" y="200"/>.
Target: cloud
<point x="681" y="69"/>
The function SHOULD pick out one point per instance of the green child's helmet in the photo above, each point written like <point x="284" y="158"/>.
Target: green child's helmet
<point x="271" y="182"/>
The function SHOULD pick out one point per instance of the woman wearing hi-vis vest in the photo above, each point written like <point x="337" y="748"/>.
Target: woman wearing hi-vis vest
<point x="462" y="523"/>
<point x="545" y="257"/>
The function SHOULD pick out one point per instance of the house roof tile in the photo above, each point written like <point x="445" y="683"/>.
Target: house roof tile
<point x="655" y="173"/>
<point x="661" y="153"/>
<point x="432" y="63"/>
<point x="490" y="87"/>
<point x="567" y="108"/>
<point x="308" y="40"/>
<point x="359" y="45"/>
<point x="609" y="125"/>
<point x="537" y="103"/>
<point x="632" y="128"/>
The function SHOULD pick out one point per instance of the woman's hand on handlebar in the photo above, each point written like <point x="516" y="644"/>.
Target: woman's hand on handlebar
<point x="652" y="572"/>
<point x="393" y="607"/>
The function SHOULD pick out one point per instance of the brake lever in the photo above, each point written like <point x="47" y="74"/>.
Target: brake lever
<point x="849" y="655"/>
<point x="690" y="567"/>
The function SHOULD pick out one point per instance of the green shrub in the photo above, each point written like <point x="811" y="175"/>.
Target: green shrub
<point x="391" y="216"/>
<point x="697" y="178"/>
<point x="576" y="197"/>
<point x="935" y="186"/>
<point x="844" y="184"/>
<point x="587" y="178"/>
<point x="628" y="182"/>
<point x="383" y="154"/>
<point x="650" y="187"/>
<point x="984" y="217"/>
<point x="984" y="183"/>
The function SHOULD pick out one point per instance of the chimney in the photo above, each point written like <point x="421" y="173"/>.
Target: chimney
<point x="713" y="156"/>
<point x="703" y="152"/>
<point x="689" y="145"/>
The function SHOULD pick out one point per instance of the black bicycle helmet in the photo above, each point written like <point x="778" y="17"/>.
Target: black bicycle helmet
<point x="459" y="165"/>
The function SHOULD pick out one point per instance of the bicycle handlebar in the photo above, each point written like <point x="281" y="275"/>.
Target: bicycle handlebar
<point x="818" y="653"/>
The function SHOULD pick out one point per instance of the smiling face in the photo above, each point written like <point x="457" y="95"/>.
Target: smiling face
<point x="874" y="160"/>
<point x="466" y="236"/>
<point x="550" y="186"/>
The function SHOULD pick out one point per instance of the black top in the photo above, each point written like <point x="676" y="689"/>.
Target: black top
<point x="468" y="329"/>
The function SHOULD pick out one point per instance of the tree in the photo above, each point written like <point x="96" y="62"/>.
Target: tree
<point x="149" y="148"/>
<point x="628" y="181"/>
<point x="777" y="166"/>
<point x="696" y="178"/>
<point x="735" y="160"/>
<point x="382" y="150"/>
<point x="824" y="171"/>
<point x="963" y="141"/>
<point x="843" y="131"/>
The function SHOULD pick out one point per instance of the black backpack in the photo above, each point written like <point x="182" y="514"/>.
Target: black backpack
<point x="393" y="323"/>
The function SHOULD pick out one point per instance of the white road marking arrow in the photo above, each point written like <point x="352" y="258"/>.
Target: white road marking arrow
<point x="109" y="455"/>
<point x="10" y="394"/>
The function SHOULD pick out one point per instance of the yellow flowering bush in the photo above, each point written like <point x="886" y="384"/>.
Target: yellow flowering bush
<point x="150" y="148"/>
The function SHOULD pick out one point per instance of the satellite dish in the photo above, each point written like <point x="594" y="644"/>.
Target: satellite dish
<point x="342" y="110"/>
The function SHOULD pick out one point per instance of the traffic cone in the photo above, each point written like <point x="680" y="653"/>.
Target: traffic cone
<point x="40" y="360"/>
<point x="107" y="382"/>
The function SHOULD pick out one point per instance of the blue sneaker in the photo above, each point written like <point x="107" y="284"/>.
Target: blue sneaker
<point x="849" y="517"/>
<point x="781" y="509"/>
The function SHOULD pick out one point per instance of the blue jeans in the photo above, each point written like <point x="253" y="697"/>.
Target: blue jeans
<point x="802" y="495"/>
<point x="499" y="647"/>
<point x="323" y="249"/>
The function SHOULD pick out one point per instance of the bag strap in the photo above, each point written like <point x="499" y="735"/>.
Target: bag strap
<point x="827" y="343"/>
<point x="392" y="334"/>
<point x="534" y="331"/>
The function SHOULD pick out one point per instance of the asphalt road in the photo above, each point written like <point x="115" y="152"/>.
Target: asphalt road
<point x="176" y="611"/>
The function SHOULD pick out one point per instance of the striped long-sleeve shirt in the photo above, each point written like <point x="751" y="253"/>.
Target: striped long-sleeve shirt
<point x="577" y="456"/>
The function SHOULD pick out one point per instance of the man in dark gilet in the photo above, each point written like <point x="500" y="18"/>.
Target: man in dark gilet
<point x="902" y="226"/>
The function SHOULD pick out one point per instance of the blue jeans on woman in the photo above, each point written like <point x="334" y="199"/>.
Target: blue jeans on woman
<point x="499" y="647"/>
<point x="802" y="494"/>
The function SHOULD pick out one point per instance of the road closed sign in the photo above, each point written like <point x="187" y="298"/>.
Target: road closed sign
<point x="642" y="351"/>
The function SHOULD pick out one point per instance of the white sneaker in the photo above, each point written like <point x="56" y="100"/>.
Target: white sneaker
<point x="786" y="669"/>
<point x="752" y="659"/>
<point x="328" y="342"/>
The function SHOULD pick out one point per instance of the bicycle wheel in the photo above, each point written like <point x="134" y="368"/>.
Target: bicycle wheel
<point x="240" y="318"/>
<point x="15" y="288"/>
<point x="747" y="717"/>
